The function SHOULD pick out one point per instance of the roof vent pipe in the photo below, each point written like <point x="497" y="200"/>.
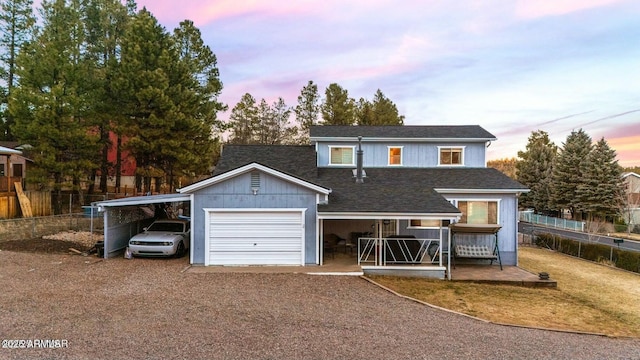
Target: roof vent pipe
<point x="359" y="177"/>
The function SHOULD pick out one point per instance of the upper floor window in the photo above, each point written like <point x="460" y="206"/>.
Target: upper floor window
<point x="450" y="156"/>
<point x="395" y="155"/>
<point x="478" y="212"/>
<point x="341" y="155"/>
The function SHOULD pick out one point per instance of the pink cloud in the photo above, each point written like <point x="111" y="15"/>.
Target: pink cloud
<point x="534" y="9"/>
<point x="627" y="149"/>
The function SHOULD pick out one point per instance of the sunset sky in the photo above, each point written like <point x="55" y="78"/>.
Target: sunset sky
<point x="510" y="66"/>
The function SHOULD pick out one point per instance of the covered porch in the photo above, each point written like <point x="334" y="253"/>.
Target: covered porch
<point x="386" y="244"/>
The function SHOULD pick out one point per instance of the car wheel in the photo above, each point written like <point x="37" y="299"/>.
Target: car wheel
<point x="180" y="250"/>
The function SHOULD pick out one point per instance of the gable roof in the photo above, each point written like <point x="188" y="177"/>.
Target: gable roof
<point x="8" y="151"/>
<point x="296" y="160"/>
<point x="405" y="132"/>
<point x="248" y="168"/>
<point x="385" y="190"/>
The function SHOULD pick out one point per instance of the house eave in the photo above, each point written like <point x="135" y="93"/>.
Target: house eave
<point x="480" y="191"/>
<point x="353" y="215"/>
<point x="399" y="139"/>
<point x="247" y="168"/>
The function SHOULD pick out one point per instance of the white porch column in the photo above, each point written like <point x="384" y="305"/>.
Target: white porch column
<point x="449" y="254"/>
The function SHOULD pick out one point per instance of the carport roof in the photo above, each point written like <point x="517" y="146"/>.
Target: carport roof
<point x="143" y="200"/>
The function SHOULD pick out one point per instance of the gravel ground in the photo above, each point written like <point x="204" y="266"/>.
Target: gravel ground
<point x="152" y="308"/>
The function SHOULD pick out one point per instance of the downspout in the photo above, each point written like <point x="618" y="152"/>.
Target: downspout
<point x="359" y="155"/>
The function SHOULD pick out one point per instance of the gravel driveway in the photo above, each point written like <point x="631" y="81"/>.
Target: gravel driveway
<point x="152" y="309"/>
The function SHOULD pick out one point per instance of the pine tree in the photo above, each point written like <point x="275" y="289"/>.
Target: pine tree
<point x="196" y="98"/>
<point x="105" y="22"/>
<point x="535" y="169"/>
<point x="307" y="110"/>
<point x="243" y="121"/>
<point x="16" y="29"/>
<point x="50" y="105"/>
<point x="338" y="108"/>
<point x="602" y="188"/>
<point x="381" y="111"/>
<point x="568" y="172"/>
<point x="158" y="91"/>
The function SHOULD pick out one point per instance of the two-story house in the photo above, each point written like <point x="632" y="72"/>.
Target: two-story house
<point x="389" y="193"/>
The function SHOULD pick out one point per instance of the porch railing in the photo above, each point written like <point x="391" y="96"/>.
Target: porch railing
<point x="399" y="251"/>
<point x="7" y="183"/>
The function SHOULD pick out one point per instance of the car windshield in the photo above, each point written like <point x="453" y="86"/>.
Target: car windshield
<point x="166" y="226"/>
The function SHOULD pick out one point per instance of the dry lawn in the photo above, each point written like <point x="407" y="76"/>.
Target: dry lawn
<point x="589" y="297"/>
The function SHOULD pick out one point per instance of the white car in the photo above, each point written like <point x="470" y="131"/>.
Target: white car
<point x="166" y="237"/>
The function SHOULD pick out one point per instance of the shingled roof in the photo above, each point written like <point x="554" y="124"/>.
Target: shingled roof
<point x="389" y="189"/>
<point x="402" y="132"/>
<point x="408" y="190"/>
<point x="299" y="161"/>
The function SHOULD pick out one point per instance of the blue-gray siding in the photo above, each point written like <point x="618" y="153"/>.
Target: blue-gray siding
<point x="237" y="193"/>
<point x="413" y="154"/>
<point x="507" y="218"/>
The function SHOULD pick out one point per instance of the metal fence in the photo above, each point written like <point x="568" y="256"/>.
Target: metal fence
<point x="35" y="227"/>
<point x="552" y="221"/>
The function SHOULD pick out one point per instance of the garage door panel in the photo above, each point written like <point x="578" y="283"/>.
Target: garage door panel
<point x="262" y="237"/>
<point x="257" y="231"/>
<point x="252" y="245"/>
<point x="244" y="258"/>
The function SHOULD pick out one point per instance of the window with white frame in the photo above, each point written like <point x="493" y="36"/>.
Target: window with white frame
<point x="478" y="212"/>
<point x="341" y="155"/>
<point x="395" y="155"/>
<point x="427" y="224"/>
<point x="450" y="155"/>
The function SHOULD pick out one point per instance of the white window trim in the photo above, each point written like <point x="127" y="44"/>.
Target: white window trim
<point x="353" y="154"/>
<point x="498" y="201"/>
<point x="463" y="148"/>
<point x="389" y="147"/>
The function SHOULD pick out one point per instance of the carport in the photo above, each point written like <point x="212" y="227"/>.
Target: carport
<point x="126" y="217"/>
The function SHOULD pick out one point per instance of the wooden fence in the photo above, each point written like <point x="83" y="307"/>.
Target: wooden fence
<point x="40" y="204"/>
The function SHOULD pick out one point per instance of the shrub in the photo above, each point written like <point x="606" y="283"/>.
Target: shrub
<point x="628" y="260"/>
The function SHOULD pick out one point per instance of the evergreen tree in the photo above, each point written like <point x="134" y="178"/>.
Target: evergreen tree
<point x="569" y="172"/>
<point x="283" y="132"/>
<point x="273" y="126"/>
<point x="105" y="22"/>
<point x="338" y="108"/>
<point x="535" y="169"/>
<point x="197" y="99"/>
<point x="160" y="100"/>
<point x="244" y="121"/>
<point x="381" y="111"/>
<point x="307" y="110"/>
<point x="16" y="29"/>
<point x="602" y="188"/>
<point x="364" y="112"/>
<point x="50" y="105"/>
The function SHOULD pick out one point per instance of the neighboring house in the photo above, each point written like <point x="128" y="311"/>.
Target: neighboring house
<point x="11" y="172"/>
<point x="127" y="168"/>
<point x="277" y="205"/>
<point x="632" y="182"/>
<point x="12" y="165"/>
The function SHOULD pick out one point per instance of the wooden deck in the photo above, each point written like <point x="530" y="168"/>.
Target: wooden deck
<point x="509" y="275"/>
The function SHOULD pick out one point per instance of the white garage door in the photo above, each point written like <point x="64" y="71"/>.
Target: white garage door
<point x="256" y="237"/>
